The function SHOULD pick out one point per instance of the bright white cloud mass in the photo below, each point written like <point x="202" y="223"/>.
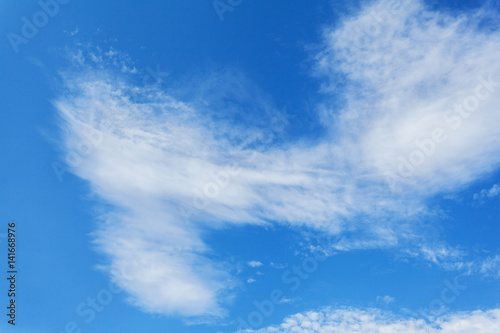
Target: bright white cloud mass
<point x="421" y="118"/>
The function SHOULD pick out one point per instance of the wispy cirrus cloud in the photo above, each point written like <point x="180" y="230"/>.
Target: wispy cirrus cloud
<point x="172" y="167"/>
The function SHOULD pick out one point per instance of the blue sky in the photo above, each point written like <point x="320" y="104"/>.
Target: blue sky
<point x="225" y="166"/>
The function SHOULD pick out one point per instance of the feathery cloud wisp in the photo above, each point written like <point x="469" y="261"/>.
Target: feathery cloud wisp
<point x="421" y="112"/>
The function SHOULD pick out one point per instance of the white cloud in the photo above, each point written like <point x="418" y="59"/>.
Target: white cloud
<point x="440" y="254"/>
<point x="386" y="299"/>
<point x="405" y="82"/>
<point x="492" y="192"/>
<point x="491" y="266"/>
<point x="454" y="259"/>
<point x="171" y="168"/>
<point x="72" y="33"/>
<point x="278" y="266"/>
<point x="254" y="263"/>
<point x="251" y="280"/>
<point x="375" y="321"/>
